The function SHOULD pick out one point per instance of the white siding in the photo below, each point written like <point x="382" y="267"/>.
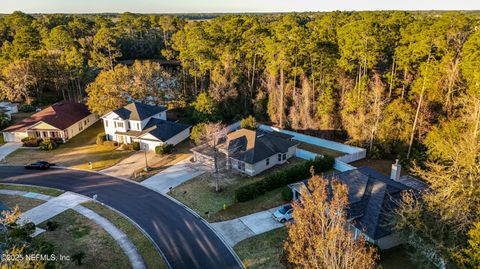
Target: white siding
<point x="14" y="136"/>
<point x="179" y="137"/>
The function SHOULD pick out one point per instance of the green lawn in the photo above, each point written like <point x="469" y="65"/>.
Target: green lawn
<point x="42" y="190"/>
<point x="265" y="251"/>
<point x="199" y="194"/>
<point x="24" y="203"/>
<point x="145" y="247"/>
<point x="76" y="234"/>
<point x="76" y="153"/>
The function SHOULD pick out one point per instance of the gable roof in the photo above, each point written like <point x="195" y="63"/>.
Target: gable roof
<point x="162" y="129"/>
<point x="60" y="115"/>
<point x="138" y="111"/>
<point x="372" y="198"/>
<point x="253" y="146"/>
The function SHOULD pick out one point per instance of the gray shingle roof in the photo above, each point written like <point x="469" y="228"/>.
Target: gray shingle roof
<point x="162" y="129"/>
<point x="372" y="199"/>
<point x="138" y="111"/>
<point x="253" y="146"/>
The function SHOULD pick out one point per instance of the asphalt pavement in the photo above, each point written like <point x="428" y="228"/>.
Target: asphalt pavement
<point x="185" y="240"/>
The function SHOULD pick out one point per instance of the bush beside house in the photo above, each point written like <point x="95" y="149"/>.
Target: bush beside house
<point x="136" y="145"/>
<point x="101" y="137"/>
<point x="281" y="178"/>
<point x="164" y="149"/>
<point x="31" y="141"/>
<point x="48" y="144"/>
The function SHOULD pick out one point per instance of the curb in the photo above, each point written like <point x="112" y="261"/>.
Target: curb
<point x="167" y="196"/>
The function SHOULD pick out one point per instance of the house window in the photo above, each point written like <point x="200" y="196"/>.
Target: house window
<point x="80" y="126"/>
<point x="106" y="123"/>
<point x="120" y="124"/>
<point x="138" y="126"/>
<point x="279" y="157"/>
<point x="284" y="156"/>
<point x="85" y="122"/>
<point x="267" y="161"/>
<point x="128" y="124"/>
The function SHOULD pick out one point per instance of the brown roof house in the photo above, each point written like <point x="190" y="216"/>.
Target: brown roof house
<point x="61" y="120"/>
<point x="250" y="152"/>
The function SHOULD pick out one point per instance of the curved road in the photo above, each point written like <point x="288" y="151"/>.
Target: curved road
<point x="185" y="239"/>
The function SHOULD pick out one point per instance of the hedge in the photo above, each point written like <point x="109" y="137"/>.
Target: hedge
<point x="31" y="141"/>
<point x="136" y="145"/>
<point x="279" y="179"/>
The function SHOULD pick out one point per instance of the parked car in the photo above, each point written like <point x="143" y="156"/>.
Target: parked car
<point x="284" y="213"/>
<point x="39" y="165"/>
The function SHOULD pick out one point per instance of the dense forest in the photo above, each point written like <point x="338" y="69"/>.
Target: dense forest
<point x="404" y="85"/>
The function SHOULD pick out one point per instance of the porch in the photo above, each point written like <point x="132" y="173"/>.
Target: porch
<point x="49" y="134"/>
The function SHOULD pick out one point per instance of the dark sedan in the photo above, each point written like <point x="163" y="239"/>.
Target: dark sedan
<point x="39" y="165"/>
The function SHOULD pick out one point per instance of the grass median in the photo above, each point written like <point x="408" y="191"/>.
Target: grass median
<point x="146" y="248"/>
<point x="42" y="190"/>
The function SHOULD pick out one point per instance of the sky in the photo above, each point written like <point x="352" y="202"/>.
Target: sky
<point x="211" y="6"/>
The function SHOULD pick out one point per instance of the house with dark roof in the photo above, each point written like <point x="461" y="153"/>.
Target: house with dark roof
<point x="250" y="152"/>
<point x="144" y="123"/>
<point x="372" y="197"/>
<point x="62" y="120"/>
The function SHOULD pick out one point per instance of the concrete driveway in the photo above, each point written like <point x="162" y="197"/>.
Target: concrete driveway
<point x="236" y="230"/>
<point x="127" y="166"/>
<point x="174" y="176"/>
<point x="8" y="148"/>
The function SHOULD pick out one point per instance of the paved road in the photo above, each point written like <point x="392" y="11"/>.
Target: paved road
<point x="185" y="240"/>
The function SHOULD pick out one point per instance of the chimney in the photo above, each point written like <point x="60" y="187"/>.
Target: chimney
<point x="396" y="169"/>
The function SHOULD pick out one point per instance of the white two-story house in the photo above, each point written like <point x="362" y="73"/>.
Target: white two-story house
<point x="144" y="123"/>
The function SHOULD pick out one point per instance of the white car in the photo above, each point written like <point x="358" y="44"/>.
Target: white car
<point x="284" y="213"/>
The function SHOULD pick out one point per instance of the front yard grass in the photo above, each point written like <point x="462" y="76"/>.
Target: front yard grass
<point x="76" y="153"/>
<point x="23" y="203"/>
<point x="158" y="163"/>
<point x="42" y="190"/>
<point x="265" y="251"/>
<point x="199" y="194"/>
<point x="144" y="246"/>
<point x="76" y="234"/>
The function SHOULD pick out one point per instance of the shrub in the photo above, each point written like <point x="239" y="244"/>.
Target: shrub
<point x="279" y="179"/>
<point x="197" y="133"/>
<point x="101" y="137"/>
<point x="78" y="257"/>
<point x="136" y="145"/>
<point x="249" y="123"/>
<point x="48" y="144"/>
<point x="164" y="149"/>
<point x="52" y="225"/>
<point x="126" y="147"/>
<point x="27" y="108"/>
<point x="287" y="194"/>
<point x="2" y="140"/>
<point x="110" y="143"/>
<point x="31" y="141"/>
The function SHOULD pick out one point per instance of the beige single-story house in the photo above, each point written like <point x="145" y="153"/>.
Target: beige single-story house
<point x="62" y="120"/>
<point x="250" y="151"/>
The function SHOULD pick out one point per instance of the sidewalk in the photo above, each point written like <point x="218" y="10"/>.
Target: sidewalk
<point x="69" y="200"/>
<point x="52" y="208"/>
<point x="8" y="148"/>
<point x="174" y="176"/>
<point x="236" y="230"/>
